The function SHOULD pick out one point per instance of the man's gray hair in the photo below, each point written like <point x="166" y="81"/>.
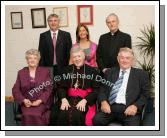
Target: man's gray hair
<point x="126" y="49"/>
<point x="76" y="49"/>
<point x="52" y="15"/>
<point x="112" y="14"/>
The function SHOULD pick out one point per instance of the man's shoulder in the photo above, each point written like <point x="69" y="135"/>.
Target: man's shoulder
<point x="67" y="69"/>
<point x="136" y="69"/>
<point x="139" y="71"/>
<point x="124" y="34"/>
<point x="105" y="35"/>
<point x="63" y="32"/>
<point x="112" y="70"/>
<point x="45" y="33"/>
<point x="88" y="67"/>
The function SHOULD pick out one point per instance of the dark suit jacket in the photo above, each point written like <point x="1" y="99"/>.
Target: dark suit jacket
<point x="22" y="86"/>
<point x="63" y="46"/>
<point x="108" y="48"/>
<point x="137" y="88"/>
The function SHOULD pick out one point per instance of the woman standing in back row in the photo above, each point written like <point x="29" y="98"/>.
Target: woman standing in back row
<point x="84" y="42"/>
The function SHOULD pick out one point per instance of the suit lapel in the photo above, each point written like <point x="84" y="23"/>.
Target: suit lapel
<point x="59" y="37"/>
<point x="49" y="41"/>
<point x="130" y="80"/>
<point x="113" y="77"/>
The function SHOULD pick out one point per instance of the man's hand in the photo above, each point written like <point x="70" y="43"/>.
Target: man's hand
<point x="81" y="105"/>
<point x="131" y="110"/>
<point x="64" y="104"/>
<point x="27" y="103"/>
<point x="37" y="102"/>
<point x="105" y="107"/>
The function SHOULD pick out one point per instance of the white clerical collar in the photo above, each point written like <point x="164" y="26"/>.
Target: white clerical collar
<point x="112" y="33"/>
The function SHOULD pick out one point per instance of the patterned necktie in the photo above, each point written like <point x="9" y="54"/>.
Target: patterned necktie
<point x="54" y="46"/>
<point x="115" y="88"/>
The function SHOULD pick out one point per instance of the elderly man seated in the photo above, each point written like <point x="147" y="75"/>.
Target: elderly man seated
<point x="124" y="101"/>
<point x="77" y="92"/>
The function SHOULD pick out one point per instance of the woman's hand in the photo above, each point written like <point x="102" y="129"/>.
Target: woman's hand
<point x="27" y="103"/>
<point x="64" y="104"/>
<point x="37" y="102"/>
<point x="81" y="105"/>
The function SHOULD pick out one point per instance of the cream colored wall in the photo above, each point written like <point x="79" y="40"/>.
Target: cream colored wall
<point x="17" y="41"/>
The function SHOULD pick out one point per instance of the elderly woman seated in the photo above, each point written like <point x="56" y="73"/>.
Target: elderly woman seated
<point x="77" y="92"/>
<point x="33" y="91"/>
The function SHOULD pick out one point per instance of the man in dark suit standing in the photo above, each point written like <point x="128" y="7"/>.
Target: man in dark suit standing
<point x="123" y="101"/>
<point x="54" y="46"/>
<point x="110" y="43"/>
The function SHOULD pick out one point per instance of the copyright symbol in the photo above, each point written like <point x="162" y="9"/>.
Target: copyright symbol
<point x="57" y="78"/>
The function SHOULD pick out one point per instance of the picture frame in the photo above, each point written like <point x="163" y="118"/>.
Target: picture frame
<point x="16" y="20"/>
<point x="38" y="16"/>
<point x="62" y="12"/>
<point x="85" y="14"/>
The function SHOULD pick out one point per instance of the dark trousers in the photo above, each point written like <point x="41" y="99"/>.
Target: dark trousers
<point x="117" y="114"/>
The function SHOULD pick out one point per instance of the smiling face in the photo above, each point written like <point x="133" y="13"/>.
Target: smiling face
<point x="125" y="60"/>
<point x="32" y="60"/>
<point x="53" y="23"/>
<point x="112" y="23"/>
<point x="78" y="58"/>
<point x="82" y="33"/>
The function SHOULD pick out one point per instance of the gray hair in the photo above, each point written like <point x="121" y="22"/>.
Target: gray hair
<point x="126" y="49"/>
<point x="32" y="52"/>
<point x="112" y="14"/>
<point x="76" y="49"/>
<point x="52" y="15"/>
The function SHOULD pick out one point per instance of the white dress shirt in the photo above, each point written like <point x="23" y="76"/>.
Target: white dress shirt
<point x="121" y="96"/>
<point x="54" y="32"/>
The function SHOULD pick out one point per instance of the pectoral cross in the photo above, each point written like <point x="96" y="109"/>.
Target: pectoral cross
<point x="76" y="84"/>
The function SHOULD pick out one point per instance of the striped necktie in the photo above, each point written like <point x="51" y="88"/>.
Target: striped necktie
<point x="115" y="88"/>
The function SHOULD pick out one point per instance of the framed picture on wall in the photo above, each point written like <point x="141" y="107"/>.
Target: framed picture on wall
<point x="38" y="17"/>
<point x="16" y="20"/>
<point x="62" y="12"/>
<point x="85" y="14"/>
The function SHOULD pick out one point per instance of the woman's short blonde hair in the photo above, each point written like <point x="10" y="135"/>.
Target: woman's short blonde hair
<point x="33" y="52"/>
